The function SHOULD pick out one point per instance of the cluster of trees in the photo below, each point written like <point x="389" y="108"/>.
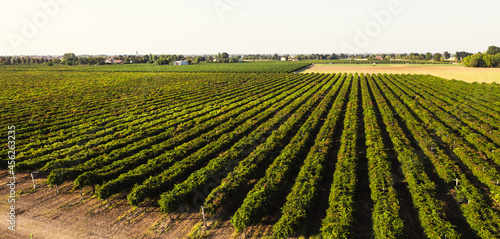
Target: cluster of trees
<point x="491" y="58"/>
<point x="71" y="59"/>
<point x="316" y="56"/>
<point x="223" y="58"/>
<point x="169" y="59"/>
<point x="8" y="60"/>
<point x="488" y="59"/>
<point x="411" y="56"/>
<point x="460" y="55"/>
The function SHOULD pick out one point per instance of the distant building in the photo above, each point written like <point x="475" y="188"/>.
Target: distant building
<point x="283" y="58"/>
<point x="179" y="63"/>
<point x="113" y="61"/>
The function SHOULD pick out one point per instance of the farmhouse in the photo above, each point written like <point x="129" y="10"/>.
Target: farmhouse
<point x="178" y="63"/>
<point x="113" y="61"/>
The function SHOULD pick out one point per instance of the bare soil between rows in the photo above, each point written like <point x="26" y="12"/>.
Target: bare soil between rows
<point x="45" y="214"/>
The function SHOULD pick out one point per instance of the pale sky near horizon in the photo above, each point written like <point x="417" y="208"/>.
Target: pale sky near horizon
<point x="53" y="27"/>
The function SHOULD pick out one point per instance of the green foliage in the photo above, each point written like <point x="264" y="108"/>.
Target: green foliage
<point x="340" y="216"/>
<point x="304" y="192"/>
<point x="428" y="56"/>
<point x="446" y="55"/>
<point x="260" y="142"/>
<point x="437" y="57"/>
<point x="493" y="50"/>
<point x="489" y="59"/>
<point x="269" y="187"/>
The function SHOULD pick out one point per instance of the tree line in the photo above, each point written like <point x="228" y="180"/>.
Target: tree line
<point x="478" y="60"/>
<point x="71" y="59"/>
<point x="491" y="58"/>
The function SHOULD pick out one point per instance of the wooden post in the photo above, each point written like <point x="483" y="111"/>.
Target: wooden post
<point x="203" y="213"/>
<point x="33" y="179"/>
<point x="57" y="189"/>
<point x="81" y="194"/>
<point x="107" y="200"/>
<point x="456" y="180"/>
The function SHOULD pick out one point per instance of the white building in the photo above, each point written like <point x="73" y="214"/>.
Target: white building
<point x="179" y="63"/>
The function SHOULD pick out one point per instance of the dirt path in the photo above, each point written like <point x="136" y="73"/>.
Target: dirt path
<point x="466" y="74"/>
<point x="45" y="214"/>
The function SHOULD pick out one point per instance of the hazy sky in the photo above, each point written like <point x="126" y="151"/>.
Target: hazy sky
<point x="38" y="27"/>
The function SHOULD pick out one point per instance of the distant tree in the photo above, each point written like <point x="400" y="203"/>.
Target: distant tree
<point x="69" y="56"/>
<point x="197" y="60"/>
<point x="50" y="64"/>
<point x="234" y="60"/>
<point x="496" y="59"/>
<point x="225" y="55"/>
<point x="163" y="61"/>
<point x="342" y="56"/>
<point x="488" y="60"/>
<point x="83" y="61"/>
<point x="68" y="59"/>
<point x="333" y="56"/>
<point x="210" y="59"/>
<point x="446" y="55"/>
<point x="493" y="50"/>
<point x="475" y="60"/>
<point x="437" y="57"/>
<point x="460" y="55"/>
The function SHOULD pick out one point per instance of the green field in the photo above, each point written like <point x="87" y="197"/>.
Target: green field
<point x="331" y="155"/>
<point x="244" y="67"/>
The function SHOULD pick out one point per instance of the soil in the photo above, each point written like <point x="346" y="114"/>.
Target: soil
<point x="467" y="74"/>
<point x="45" y="214"/>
